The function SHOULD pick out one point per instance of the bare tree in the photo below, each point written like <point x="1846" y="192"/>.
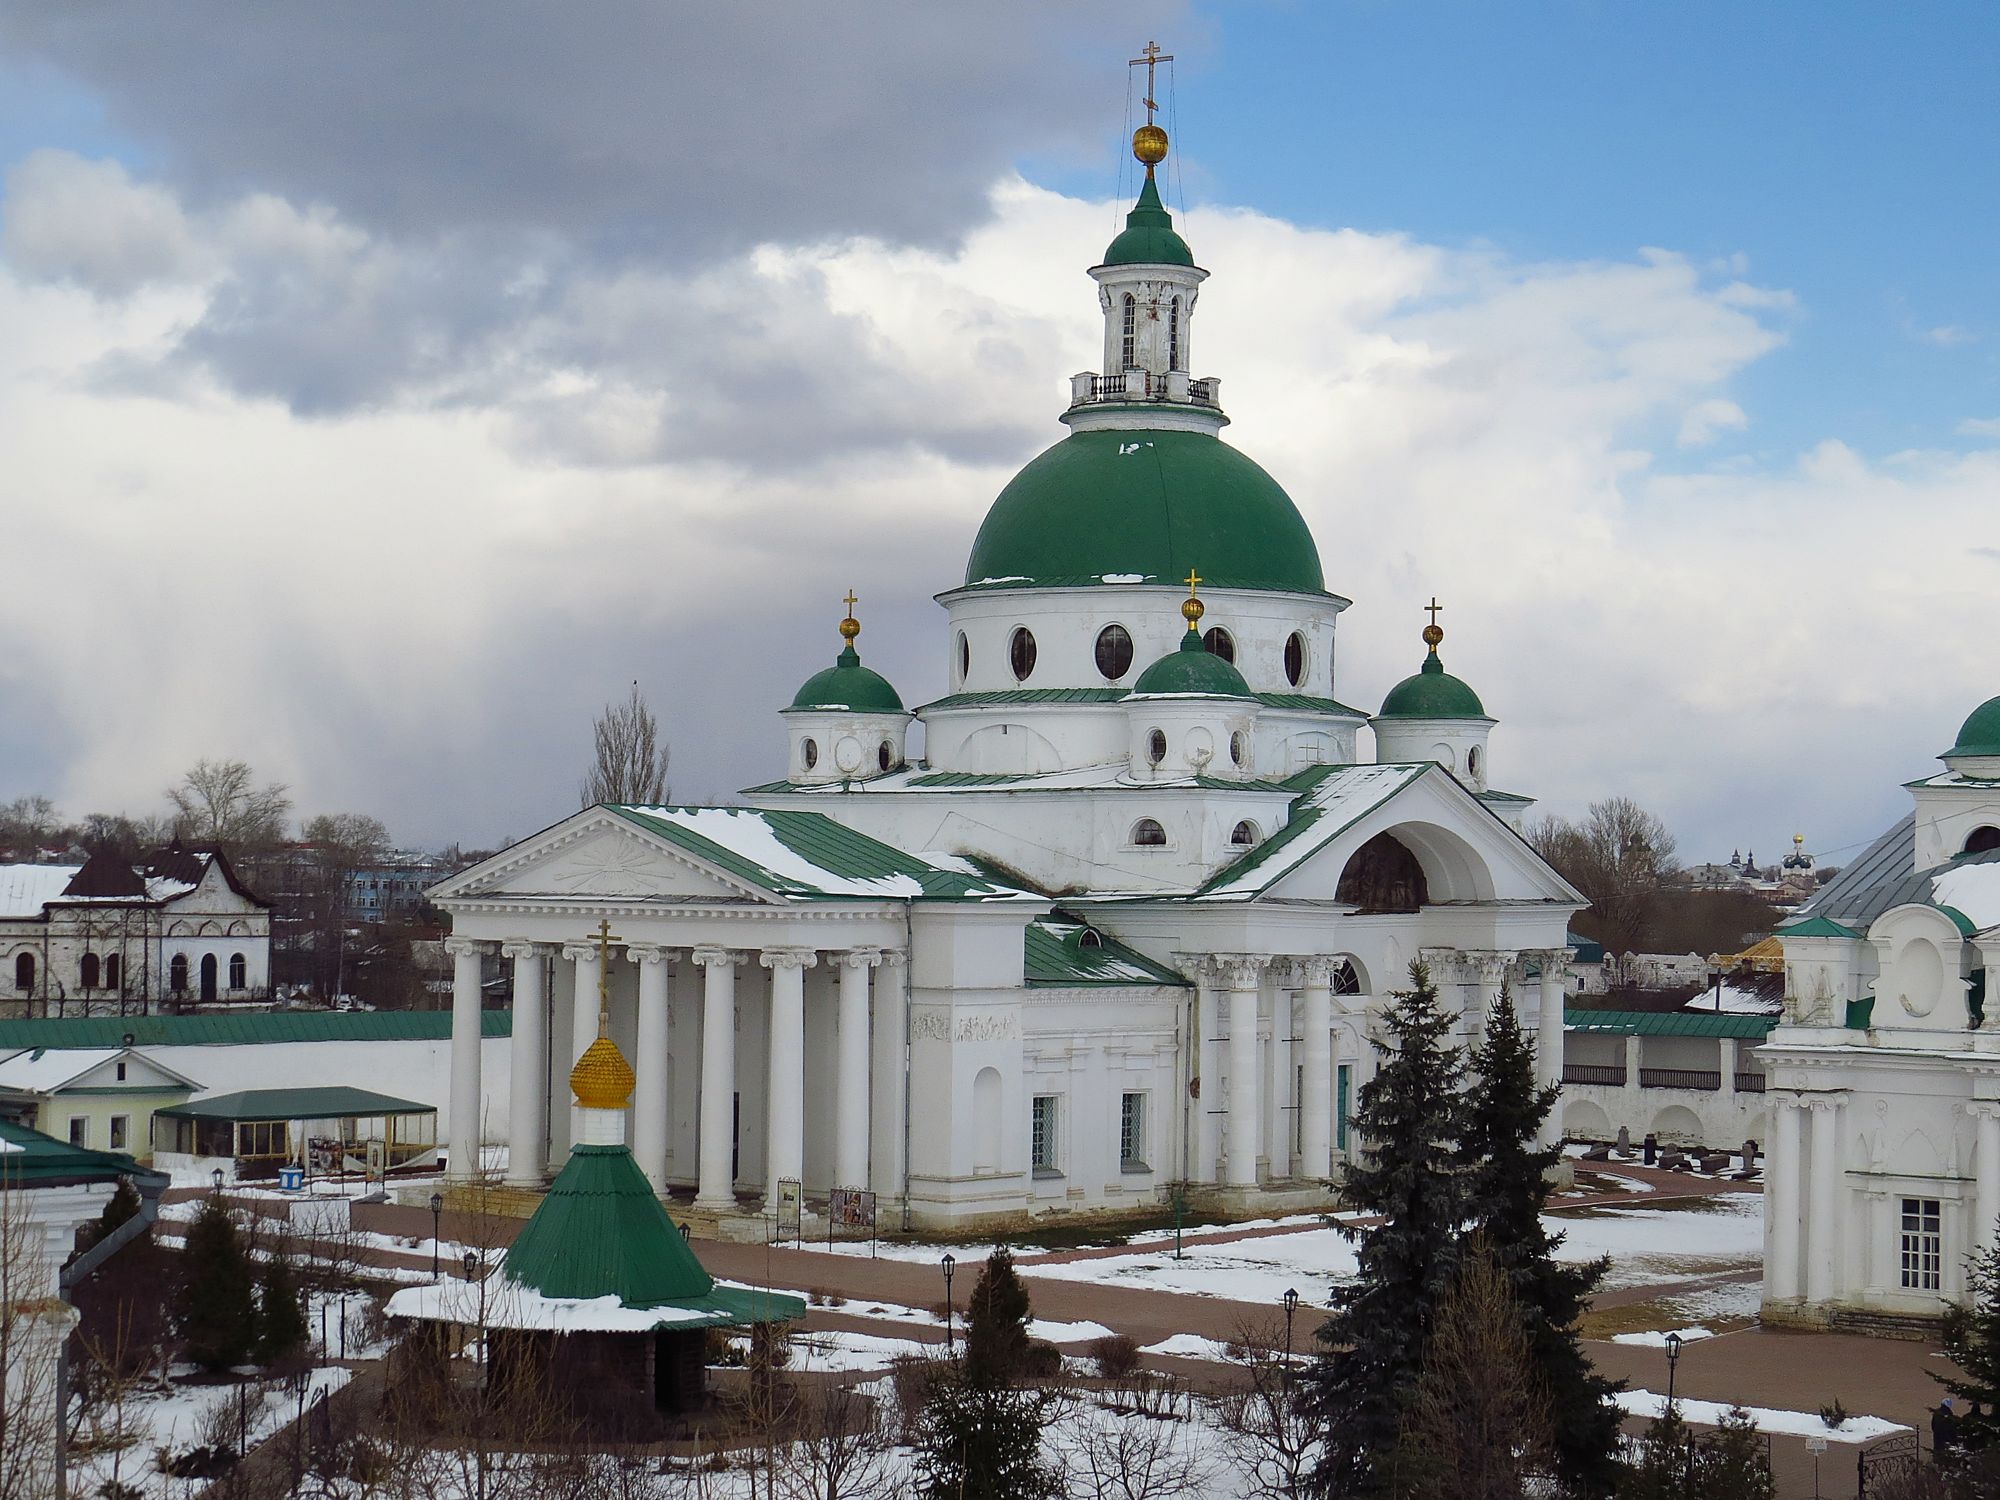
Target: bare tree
<point x="28" y="824"/>
<point x="1621" y="857"/>
<point x="1274" y="1440"/>
<point x="630" y="764"/>
<point x="839" y="1452"/>
<point x="1128" y="1455"/>
<point x="1477" y="1426"/>
<point x="33" y="1324"/>
<point x="219" y="802"/>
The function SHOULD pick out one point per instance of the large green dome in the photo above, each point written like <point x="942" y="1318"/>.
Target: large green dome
<point x="1192" y="669"/>
<point x="1433" y="693"/>
<point x="1144" y="507"/>
<point x="849" y="685"/>
<point x="1980" y="734"/>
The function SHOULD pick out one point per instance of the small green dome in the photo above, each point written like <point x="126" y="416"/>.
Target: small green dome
<point x="1432" y="694"/>
<point x="1192" y="669"/>
<point x="1980" y="734"/>
<point x="849" y="685"/>
<point x="1148" y="238"/>
<point x="1148" y="506"/>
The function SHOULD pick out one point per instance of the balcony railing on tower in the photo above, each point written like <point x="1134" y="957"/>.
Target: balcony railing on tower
<point x="1171" y="389"/>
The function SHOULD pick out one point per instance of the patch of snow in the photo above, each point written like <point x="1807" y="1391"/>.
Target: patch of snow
<point x="1971" y="890"/>
<point x="1123" y="578"/>
<point x="1765" y="1418"/>
<point x="499" y="1303"/>
<point x="1736" y="1001"/>
<point x="26" y="889"/>
<point x="1189" y="1346"/>
<point x="1009" y="578"/>
<point x="1066" y="1333"/>
<point x="843" y="1351"/>
<point x="1656" y="1338"/>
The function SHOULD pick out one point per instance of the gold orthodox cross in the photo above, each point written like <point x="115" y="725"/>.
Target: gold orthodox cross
<point x="1152" y="57"/>
<point x="604" y="941"/>
<point x="1433" y="609"/>
<point x="850" y="602"/>
<point x="1193" y="582"/>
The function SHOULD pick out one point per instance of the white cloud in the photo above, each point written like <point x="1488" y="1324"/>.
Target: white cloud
<point x="1949" y="335"/>
<point x="1980" y="427"/>
<point x="89" y="223"/>
<point x="1707" y="420"/>
<point x="523" y="482"/>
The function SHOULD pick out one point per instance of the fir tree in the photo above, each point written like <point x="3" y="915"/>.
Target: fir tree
<point x="1972" y="1342"/>
<point x="1505" y="1111"/>
<point x="1732" y="1463"/>
<point x="1410" y="1117"/>
<point x="996" y="1324"/>
<point x="122" y="1205"/>
<point x="216" y="1311"/>
<point x="281" y="1321"/>
<point x="982" y="1441"/>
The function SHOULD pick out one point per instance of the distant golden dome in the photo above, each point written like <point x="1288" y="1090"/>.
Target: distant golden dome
<point x="1149" y="144"/>
<point x="602" y="1079"/>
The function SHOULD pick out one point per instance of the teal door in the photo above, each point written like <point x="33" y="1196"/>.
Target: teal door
<point x="1343" y="1081"/>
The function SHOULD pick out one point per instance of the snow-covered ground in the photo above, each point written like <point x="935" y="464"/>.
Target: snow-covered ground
<point x="1672" y="1242"/>
<point x="1767" y="1419"/>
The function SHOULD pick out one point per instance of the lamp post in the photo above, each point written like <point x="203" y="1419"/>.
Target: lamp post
<point x="472" y="1265"/>
<point x="437" y="1221"/>
<point x="946" y="1266"/>
<point x="1673" y="1358"/>
<point x="1291" y="1300"/>
<point x="216" y="1178"/>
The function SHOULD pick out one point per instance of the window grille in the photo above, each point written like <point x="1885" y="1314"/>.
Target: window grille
<point x="1132" y="1130"/>
<point x="1923" y="1244"/>
<point x="1043" y="1145"/>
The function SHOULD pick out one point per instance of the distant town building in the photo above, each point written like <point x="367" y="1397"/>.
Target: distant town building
<point x="393" y="887"/>
<point x="174" y="930"/>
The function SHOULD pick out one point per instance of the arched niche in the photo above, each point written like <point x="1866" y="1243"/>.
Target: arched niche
<point x="1678" y="1125"/>
<point x="986" y="1120"/>
<point x="1010" y="748"/>
<point x="1384" y="875"/>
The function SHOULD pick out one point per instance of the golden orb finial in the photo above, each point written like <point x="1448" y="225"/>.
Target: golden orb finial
<point x="1433" y="632"/>
<point x="1149" y="145"/>
<point x="850" y="627"/>
<point x="1192" y="609"/>
<point x="602" y="1079"/>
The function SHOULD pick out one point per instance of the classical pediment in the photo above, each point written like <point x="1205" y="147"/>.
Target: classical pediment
<point x="597" y="855"/>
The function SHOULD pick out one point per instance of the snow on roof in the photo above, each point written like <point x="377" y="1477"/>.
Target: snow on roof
<point x="160" y="888"/>
<point x="1321" y="815"/>
<point x="40" y="1072"/>
<point x="1972" y="890"/>
<point x="1736" y="1001"/>
<point x="498" y="1302"/>
<point x="26" y="889"/>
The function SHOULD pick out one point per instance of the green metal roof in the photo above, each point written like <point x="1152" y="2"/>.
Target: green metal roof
<point x="967" y="778"/>
<point x="600" y="1232"/>
<point x="29" y="1159"/>
<point x="1817" y="927"/>
<point x="1669" y="1023"/>
<point x="1148" y="238"/>
<point x="1341" y="794"/>
<point x="823" y="860"/>
<point x="1145" y="506"/>
<point x="1308" y="703"/>
<point x="1027" y="695"/>
<point x="332" y="1101"/>
<point x="244" y="1030"/>
<point x="849" y="685"/>
<point x="1432" y="693"/>
<point x="1065" y="953"/>
<point x="1193" y="668"/>
<point x="1980" y="734"/>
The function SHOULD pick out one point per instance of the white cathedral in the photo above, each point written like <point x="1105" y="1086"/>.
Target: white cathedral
<point x="1124" y="925"/>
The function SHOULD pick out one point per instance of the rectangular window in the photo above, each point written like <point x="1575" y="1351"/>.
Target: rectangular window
<point x="1923" y="1244"/>
<point x="1043" y="1145"/>
<point x="118" y="1132"/>
<point x="1343" y="1089"/>
<point x="79" y="1130"/>
<point x="1132" y="1132"/>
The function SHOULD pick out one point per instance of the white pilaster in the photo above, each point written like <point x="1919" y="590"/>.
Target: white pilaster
<point x="1725" y="1063"/>
<point x="1822" y="1202"/>
<point x="528" y="1068"/>
<point x="850" y="1084"/>
<point x="1209" y="1103"/>
<point x="465" y="1023"/>
<point x="1985" y="1168"/>
<point x="1782" y="1167"/>
<point x="1316" y="1048"/>
<point x="1549" y="1035"/>
<point x="1243" y="975"/>
<point x="649" y="1063"/>
<point x="1278" y="1052"/>
<point x="1635" y="1059"/>
<point x="891" y="1010"/>
<point x="715" y="1188"/>
<point x="786" y="1148"/>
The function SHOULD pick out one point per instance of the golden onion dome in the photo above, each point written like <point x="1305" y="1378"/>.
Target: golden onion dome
<point x="1149" y="144"/>
<point x="602" y="1079"/>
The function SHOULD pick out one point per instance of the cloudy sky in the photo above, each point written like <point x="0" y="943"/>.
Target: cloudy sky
<point x="379" y="395"/>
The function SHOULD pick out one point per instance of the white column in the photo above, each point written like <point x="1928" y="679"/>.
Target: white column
<point x="850" y="1083"/>
<point x="1985" y="1167"/>
<point x="528" y="1068"/>
<point x="649" y="1062"/>
<point x="785" y="1150"/>
<point x="1549" y="1035"/>
<point x="1209" y="1103"/>
<point x="585" y="967"/>
<point x="1822" y="1203"/>
<point x="465" y="1102"/>
<point x="1243" y="976"/>
<point x="1634" y="1060"/>
<point x="1725" y="1062"/>
<point x="891" y="1006"/>
<point x="1316" y="1049"/>
<point x="1782" y="1164"/>
<point x="715" y="1188"/>
<point x="1278" y="1139"/>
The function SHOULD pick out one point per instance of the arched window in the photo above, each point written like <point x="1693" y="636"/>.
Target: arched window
<point x="1983" y="839"/>
<point x="1149" y="834"/>
<point x="1089" y="938"/>
<point x="1174" y="334"/>
<point x="1383" y="875"/>
<point x="1114" y="652"/>
<point x="1244" y="834"/>
<point x="1131" y="333"/>
<point x="91" y="975"/>
<point x="114" y="970"/>
<point x="1156" y="746"/>
<point x="1295" y="658"/>
<point x="885" y="755"/>
<point x="1220" y="643"/>
<point x="177" y="974"/>
<point x="24" y="973"/>
<point x="808" y="753"/>
<point x="239" y="972"/>
<point x="1021" y="653"/>
<point x="1239" y="747"/>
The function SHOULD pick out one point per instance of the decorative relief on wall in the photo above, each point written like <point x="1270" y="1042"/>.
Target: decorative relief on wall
<point x="933" y="1023"/>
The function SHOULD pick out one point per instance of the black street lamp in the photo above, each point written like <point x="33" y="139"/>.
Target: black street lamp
<point x="1291" y="1300"/>
<point x="437" y="1220"/>
<point x="471" y="1265"/>
<point x="1673" y="1358"/>
<point x="216" y="1178"/>
<point x="947" y="1264"/>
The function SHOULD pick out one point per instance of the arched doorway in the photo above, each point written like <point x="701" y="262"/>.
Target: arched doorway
<point x="208" y="976"/>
